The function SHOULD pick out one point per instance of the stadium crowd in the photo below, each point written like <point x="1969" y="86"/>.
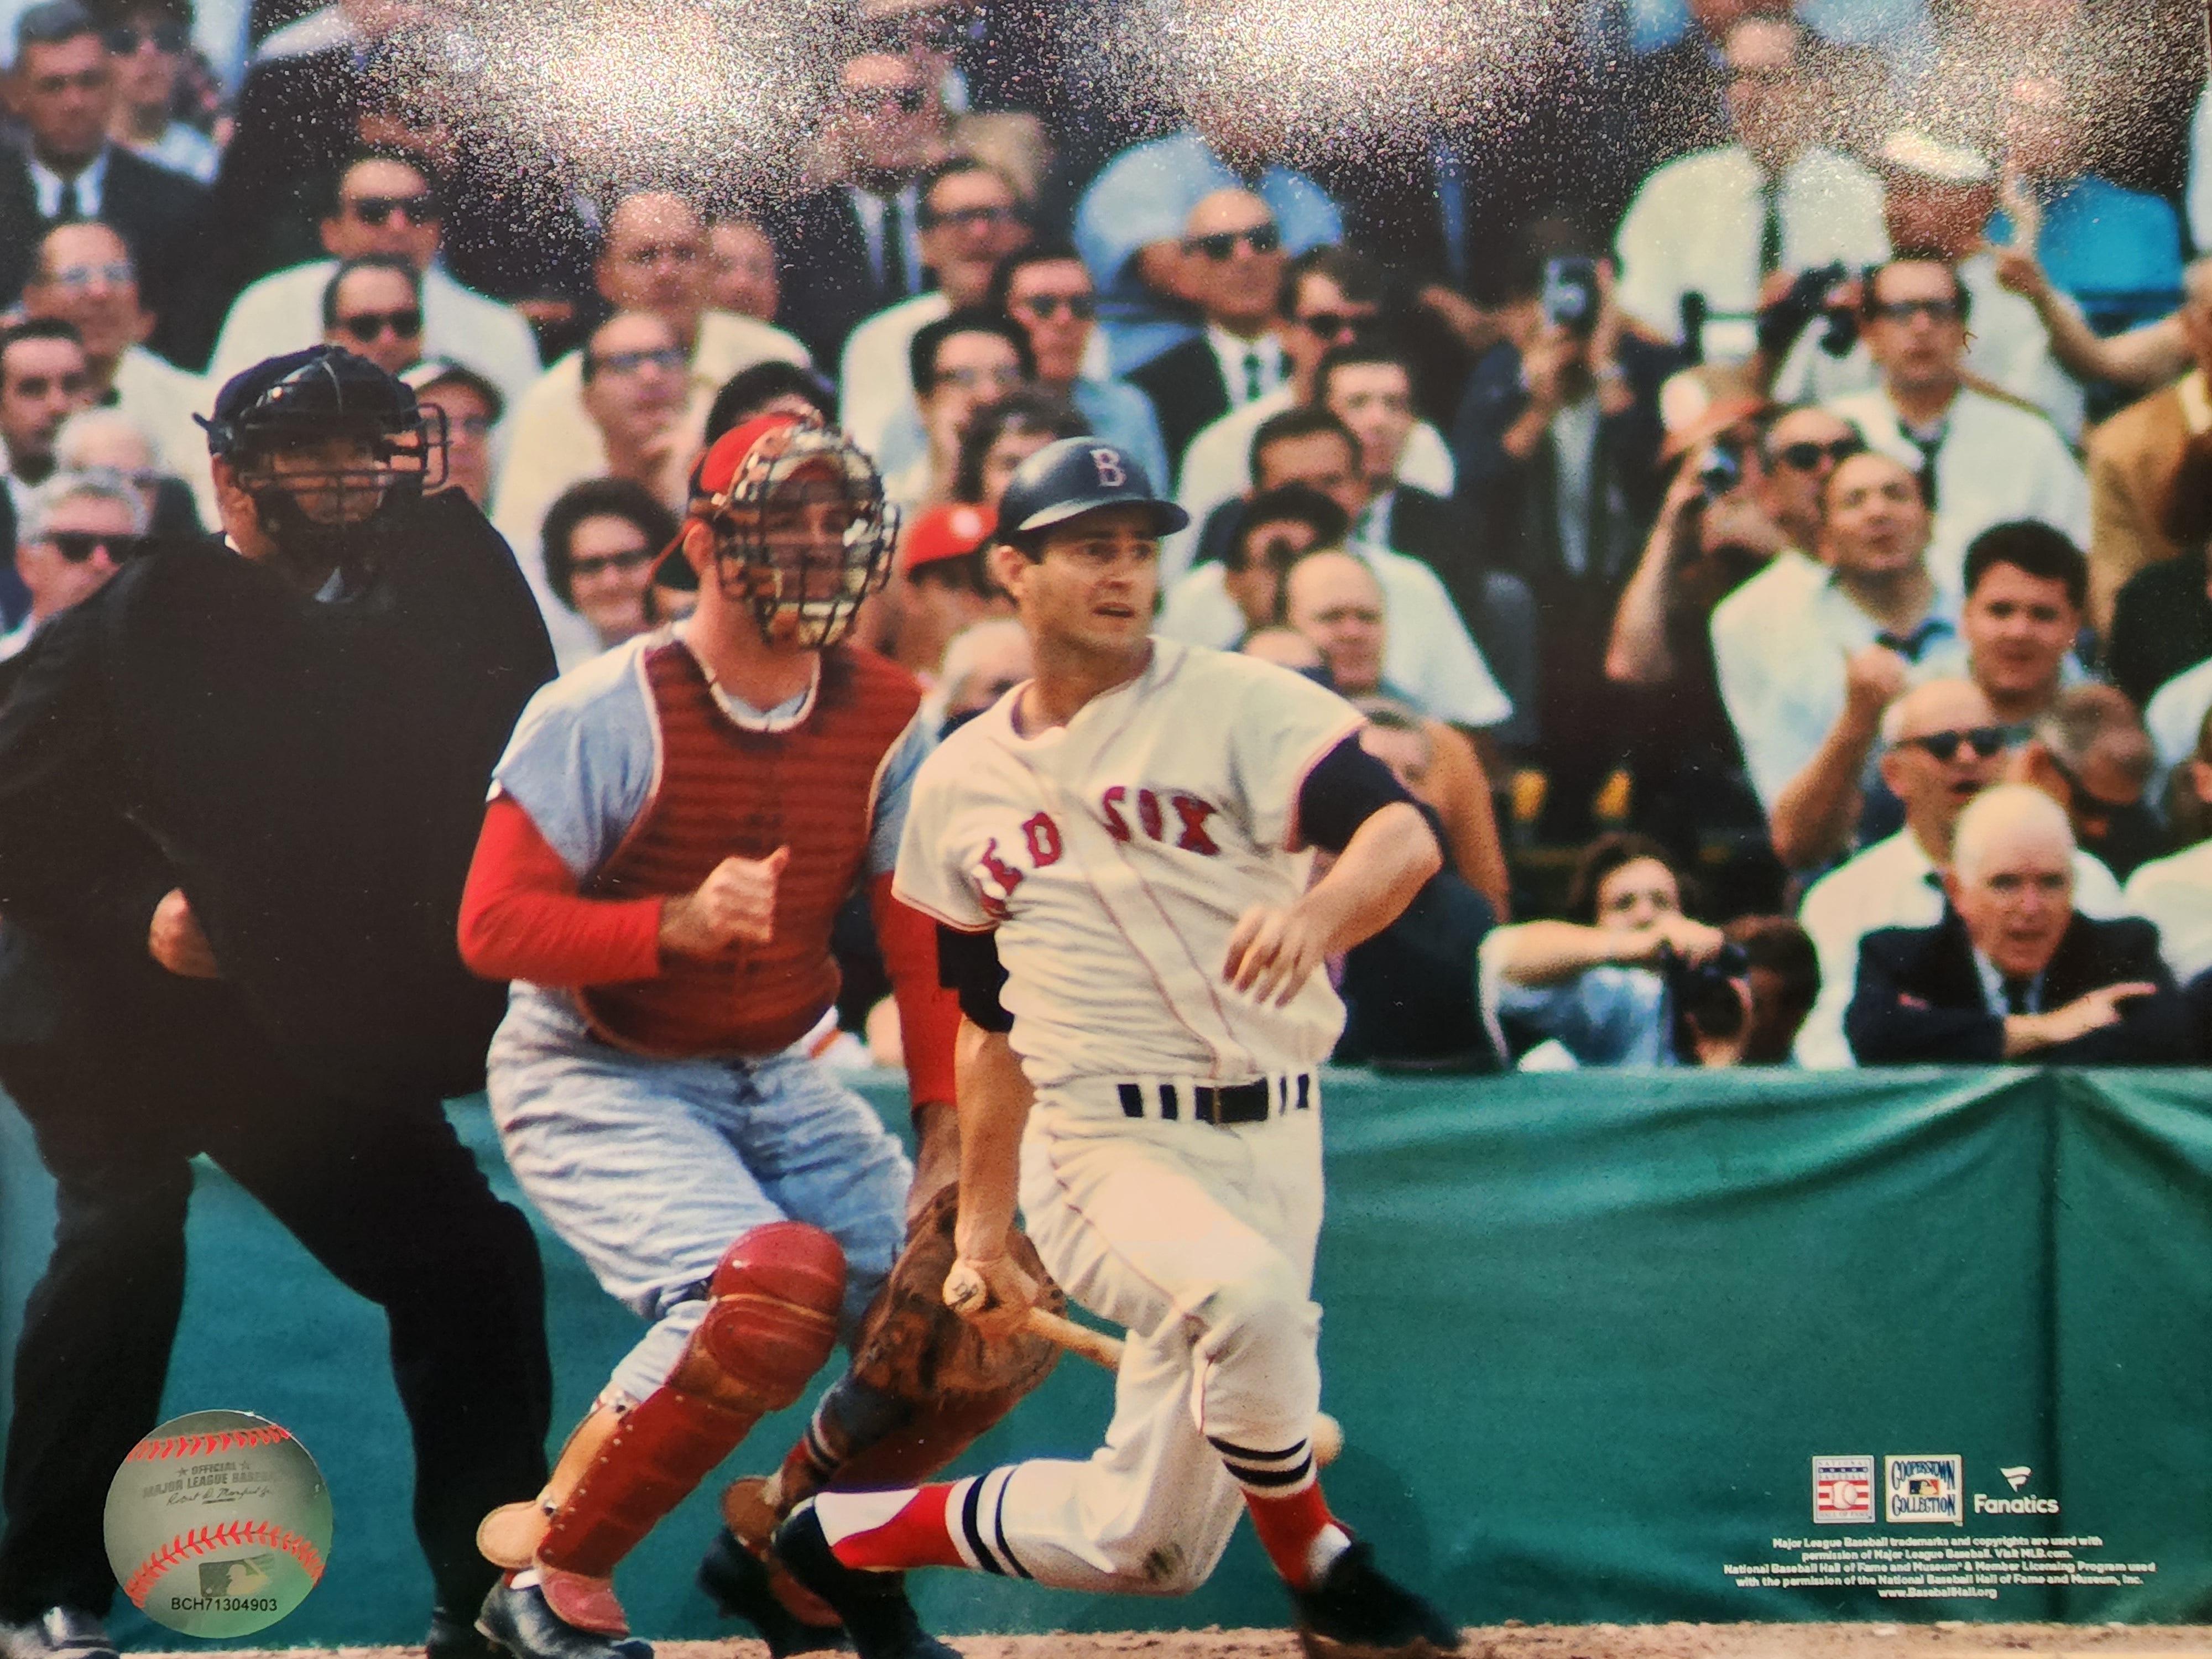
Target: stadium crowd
<point x="1756" y="465"/>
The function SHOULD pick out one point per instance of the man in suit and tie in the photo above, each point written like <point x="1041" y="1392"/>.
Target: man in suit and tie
<point x="2012" y="971"/>
<point x="44" y="380"/>
<point x="63" y="90"/>
<point x="847" y="250"/>
<point x="1231" y="265"/>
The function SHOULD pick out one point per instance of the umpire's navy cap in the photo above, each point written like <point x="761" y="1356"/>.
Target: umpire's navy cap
<point x="1076" y="475"/>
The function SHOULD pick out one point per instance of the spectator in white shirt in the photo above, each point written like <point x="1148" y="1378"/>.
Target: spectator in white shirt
<point x="385" y="205"/>
<point x="1730" y="226"/>
<point x="631" y="396"/>
<point x="2176" y="892"/>
<point x="149" y="41"/>
<point x="374" y="308"/>
<point x="1855" y="638"/>
<point x="1936" y="200"/>
<point x="1985" y="458"/>
<point x="970" y="218"/>
<point x="1432" y="659"/>
<point x="2175" y="712"/>
<point x="1330" y="297"/>
<point x="1941" y="746"/>
<point x="85" y="275"/>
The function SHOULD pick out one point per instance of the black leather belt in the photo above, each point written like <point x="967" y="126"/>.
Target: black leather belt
<point x="1237" y="1102"/>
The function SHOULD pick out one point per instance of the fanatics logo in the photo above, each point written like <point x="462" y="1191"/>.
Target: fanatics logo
<point x="1923" y="1490"/>
<point x="1843" y="1490"/>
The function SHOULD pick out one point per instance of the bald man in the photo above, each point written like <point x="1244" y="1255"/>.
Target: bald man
<point x="2012" y="971"/>
<point x="1333" y="601"/>
<point x="1940" y="747"/>
<point x="1229" y="267"/>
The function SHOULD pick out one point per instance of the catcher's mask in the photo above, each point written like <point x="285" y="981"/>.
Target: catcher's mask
<point x="328" y="446"/>
<point x="802" y="533"/>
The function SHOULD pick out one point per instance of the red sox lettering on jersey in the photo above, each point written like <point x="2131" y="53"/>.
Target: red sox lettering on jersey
<point x="1113" y="857"/>
<point x="1044" y="846"/>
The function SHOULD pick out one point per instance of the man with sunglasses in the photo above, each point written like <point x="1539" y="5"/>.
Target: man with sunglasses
<point x="63" y="87"/>
<point x="80" y="528"/>
<point x="385" y="206"/>
<point x="1231" y="254"/>
<point x="1046" y="288"/>
<point x="1941" y="746"/>
<point x="852" y="247"/>
<point x="186" y="975"/>
<point x="372" y="307"/>
<point x="1986" y="458"/>
<point x="1133" y="223"/>
<point x="149" y="41"/>
<point x="970" y="218"/>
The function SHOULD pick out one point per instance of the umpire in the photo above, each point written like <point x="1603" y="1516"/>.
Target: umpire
<point x="237" y="796"/>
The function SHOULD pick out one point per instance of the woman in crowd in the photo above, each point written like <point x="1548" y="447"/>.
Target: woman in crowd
<point x="601" y="539"/>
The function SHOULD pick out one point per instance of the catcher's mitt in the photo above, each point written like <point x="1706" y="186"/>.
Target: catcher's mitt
<point x="914" y="1348"/>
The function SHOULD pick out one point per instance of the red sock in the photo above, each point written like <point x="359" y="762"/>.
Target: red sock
<point x="882" y="1530"/>
<point x="1289" y="1527"/>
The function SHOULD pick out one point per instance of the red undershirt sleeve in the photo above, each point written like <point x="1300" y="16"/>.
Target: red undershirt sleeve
<point x="522" y="917"/>
<point x="929" y="1015"/>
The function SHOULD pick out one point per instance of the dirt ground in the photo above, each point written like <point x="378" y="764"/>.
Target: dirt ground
<point x="1947" y="1640"/>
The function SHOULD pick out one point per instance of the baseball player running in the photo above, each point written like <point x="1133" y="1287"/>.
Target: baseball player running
<point x="1119" y="842"/>
<point x="670" y="832"/>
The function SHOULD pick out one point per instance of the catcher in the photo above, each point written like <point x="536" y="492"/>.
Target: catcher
<point x="669" y="833"/>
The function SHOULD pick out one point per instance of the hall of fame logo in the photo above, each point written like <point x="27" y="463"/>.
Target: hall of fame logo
<point x="1843" y="1490"/>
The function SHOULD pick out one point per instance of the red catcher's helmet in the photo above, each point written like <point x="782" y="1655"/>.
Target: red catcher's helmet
<point x="802" y="533"/>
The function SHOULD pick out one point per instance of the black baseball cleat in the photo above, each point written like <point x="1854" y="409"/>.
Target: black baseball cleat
<point x="453" y="1636"/>
<point x="1355" y="1613"/>
<point x="518" y="1622"/>
<point x="738" y="1581"/>
<point x="878" y="1616"/>
<point x="58" y="1633"/>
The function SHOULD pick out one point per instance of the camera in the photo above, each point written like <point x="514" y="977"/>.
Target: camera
<point x="1569" y="296"/>
<point x="1723" y="470"/>
<point x="1703" y="995"/>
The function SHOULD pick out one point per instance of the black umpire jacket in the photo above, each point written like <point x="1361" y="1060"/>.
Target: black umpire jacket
<point x="312" y="775"/>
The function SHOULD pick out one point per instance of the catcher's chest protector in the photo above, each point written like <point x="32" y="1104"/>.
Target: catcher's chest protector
<point x="722" y="790"/>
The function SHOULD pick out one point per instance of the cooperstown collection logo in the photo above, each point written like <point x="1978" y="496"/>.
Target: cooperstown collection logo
<point x="1918" y="1489"/>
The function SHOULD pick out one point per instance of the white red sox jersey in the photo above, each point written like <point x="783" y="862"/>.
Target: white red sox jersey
<point x="1113" y="855"/>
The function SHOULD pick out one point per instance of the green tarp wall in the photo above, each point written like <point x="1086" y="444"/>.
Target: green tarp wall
<point x="1586" y="1335"/>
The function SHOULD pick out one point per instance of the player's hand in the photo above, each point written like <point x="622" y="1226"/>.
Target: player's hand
<point x="1873" y="677"/>
<point x="1274" y="953"/>
<point x="175" y="941"/>
<point x="2090" y="1012"/>
<point x="735" y="905"/>
<point x="991" y="1293"/>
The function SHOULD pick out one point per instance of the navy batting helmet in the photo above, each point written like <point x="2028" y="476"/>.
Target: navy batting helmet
<point x="1076" y="475"/>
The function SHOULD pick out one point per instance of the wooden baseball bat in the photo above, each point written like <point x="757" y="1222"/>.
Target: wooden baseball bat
<point x="963" y="1287"/>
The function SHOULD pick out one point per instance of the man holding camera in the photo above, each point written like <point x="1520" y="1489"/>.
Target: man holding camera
<point x="1556" y="443"/>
